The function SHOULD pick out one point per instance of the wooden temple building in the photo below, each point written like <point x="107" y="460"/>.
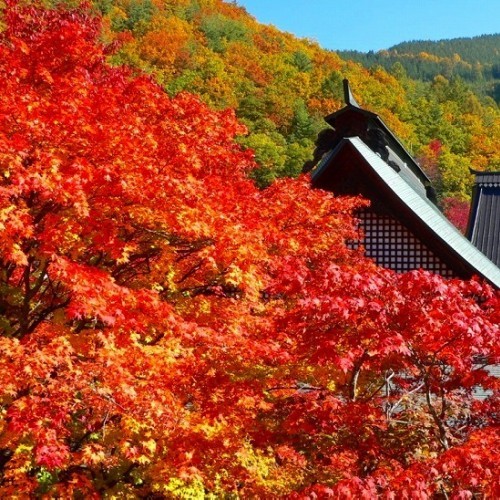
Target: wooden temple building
<point x="484" y="220"/>
<point x="403" y="229"/>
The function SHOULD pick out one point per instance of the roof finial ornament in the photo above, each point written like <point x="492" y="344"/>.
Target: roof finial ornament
<point x="348" y="97"/>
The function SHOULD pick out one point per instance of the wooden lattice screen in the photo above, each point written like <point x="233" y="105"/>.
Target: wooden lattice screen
<point x="393" y="246"/>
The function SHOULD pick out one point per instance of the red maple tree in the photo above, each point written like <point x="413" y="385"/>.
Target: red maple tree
<point x="167" y="329"/>
<point x="457" y="211"/>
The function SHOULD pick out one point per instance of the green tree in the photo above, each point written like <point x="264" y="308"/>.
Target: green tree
<point x="303" y="126"/>
<point x="302" y="61"/>
<point x="270" y="154"/>
<point x="331" y="87"/>
<point x="221" y="30"/>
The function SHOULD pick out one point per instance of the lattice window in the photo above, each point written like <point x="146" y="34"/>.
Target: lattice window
<point x="393" y="246"/>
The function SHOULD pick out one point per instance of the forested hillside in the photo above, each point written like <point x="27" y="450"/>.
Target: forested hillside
<point x="484" y="49"/>
<point x="476" y="60"/>
<point x="281" y="87"/>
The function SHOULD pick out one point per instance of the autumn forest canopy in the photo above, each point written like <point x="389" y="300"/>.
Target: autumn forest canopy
<point x="281" y="87"/>
<point x="179" y="316"/>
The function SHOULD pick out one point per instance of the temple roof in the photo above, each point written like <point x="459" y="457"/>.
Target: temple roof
<point x="353" y="121"/>
<point x="408" y="202"/>
<point x="360" y="155"/>
<point x="484" y="219"/>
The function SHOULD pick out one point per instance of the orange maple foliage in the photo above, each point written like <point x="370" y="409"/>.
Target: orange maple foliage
<point x="169" y="330"/>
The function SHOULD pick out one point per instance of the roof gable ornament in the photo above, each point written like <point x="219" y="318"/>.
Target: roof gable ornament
<point x="354" y="121"/>
<point x="348" y="95"/>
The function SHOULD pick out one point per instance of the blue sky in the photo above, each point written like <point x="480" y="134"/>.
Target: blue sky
<point x="377" y="24"/>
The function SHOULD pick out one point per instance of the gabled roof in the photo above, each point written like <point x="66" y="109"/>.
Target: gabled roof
<point x="484" y="219"/>
<point x="345" y="121"/>
<point x="409" y="202"/>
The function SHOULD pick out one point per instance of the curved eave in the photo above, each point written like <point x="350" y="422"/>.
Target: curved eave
<point x="420" y="210"/>
<point x="483" y="178"/>
<point x="483" y="172"/>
